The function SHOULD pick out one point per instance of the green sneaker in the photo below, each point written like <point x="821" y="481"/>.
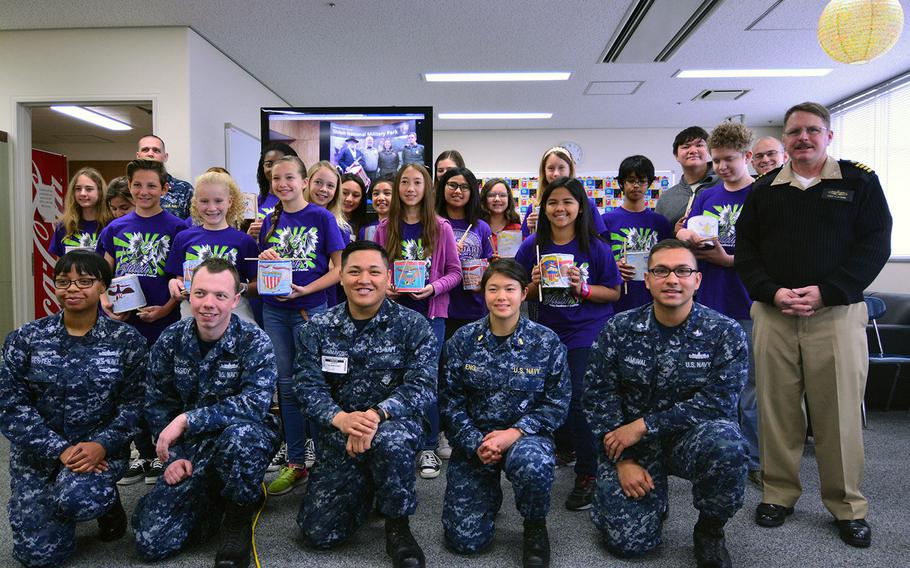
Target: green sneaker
<point x="287" y="478"/>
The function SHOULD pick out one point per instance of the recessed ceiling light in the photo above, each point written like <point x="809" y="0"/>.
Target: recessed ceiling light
<point x="93" y="117"/>
<point x="719" y="73"/>
<point x="468" y="77"/>
<point x="493" y="115"/>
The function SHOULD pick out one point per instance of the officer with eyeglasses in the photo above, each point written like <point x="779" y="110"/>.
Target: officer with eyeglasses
<point x="660" y="395"/>
<point x="71" y="392"/>
<point x="768" y="154"/>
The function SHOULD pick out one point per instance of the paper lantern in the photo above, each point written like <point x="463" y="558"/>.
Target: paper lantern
<point x="858" y="31"/>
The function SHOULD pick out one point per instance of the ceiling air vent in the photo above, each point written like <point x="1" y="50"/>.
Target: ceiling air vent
<point x="635" y="40"/>
<point x="720" y="94"/>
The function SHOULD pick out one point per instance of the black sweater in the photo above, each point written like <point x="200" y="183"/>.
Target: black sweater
<point x="835" y="235"/>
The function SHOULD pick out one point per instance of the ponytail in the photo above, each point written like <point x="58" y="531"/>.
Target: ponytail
<point x="276" y="214"/>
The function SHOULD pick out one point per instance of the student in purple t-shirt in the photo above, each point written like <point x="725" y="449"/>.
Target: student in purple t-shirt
<point x="633" y="228"/>
<point x="413" y="231"/>
<point x="309" y="235"/>
<point x="458" y="201"/>
<point x="323" y="188"/>
<point x="556" y="162"/>
<point x="138" y="243"/>
<point x="216" y="208"/>
<point x="576" y="313"/>
<point x="85" y="213"/>
<point x="721" y="287"/>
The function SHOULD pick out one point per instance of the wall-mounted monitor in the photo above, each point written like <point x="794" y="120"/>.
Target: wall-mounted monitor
<point x="366" y="141"/>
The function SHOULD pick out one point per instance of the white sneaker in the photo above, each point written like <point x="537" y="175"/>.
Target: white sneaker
<point x="280" y="460"/>
<point x="309" y="453"/>
<point x="443" y="449"/>
<point x="429" y="464"/>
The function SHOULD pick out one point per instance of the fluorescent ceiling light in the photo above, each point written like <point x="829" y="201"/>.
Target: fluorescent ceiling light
<point x="93" y="117"/>
<point x="493" y="115"/>
<point x="718" y="73"/>
<point x="463" y="77"/>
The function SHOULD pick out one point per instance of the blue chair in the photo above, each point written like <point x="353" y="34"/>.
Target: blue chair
<point x="877" y="309"/>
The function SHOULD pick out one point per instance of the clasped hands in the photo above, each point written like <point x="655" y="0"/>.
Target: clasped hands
<point x="85" y="457"/>
<point x="360" y="428"/>
<point x="800" y="302"/>
<point x="496" y="444"/>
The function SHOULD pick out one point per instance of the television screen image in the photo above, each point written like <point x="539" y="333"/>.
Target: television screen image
<point x="366" y="141"/>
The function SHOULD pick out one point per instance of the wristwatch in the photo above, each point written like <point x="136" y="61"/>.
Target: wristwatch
<point x="381" y="413"/>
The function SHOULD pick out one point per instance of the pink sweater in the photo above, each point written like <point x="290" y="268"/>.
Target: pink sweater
<point x="445" y="271"/>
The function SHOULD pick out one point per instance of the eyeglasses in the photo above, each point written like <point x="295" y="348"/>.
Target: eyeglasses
<point x="81" y="283"/>
<point x="679" y="271"/>
<point x="497" y="196"/>
<point x="758" y="156"/>
<point x="636" y="182"/>
<point x="811" y="131"/>
<point x="452" y="186"/>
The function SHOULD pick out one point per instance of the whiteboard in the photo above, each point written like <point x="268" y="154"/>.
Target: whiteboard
<point x="241" y="157"/>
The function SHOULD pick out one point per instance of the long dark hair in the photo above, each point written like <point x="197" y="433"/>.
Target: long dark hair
<point x="584" y="226"/>
<point x="511" y="214"/>
<point x="396" y="215"/>
<point x="265" y="185"/>
<point x="358" y="217"/>
<point x="471" y="208"/>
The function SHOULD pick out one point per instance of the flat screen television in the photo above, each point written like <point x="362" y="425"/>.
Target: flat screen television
<point x="366" y="141"/>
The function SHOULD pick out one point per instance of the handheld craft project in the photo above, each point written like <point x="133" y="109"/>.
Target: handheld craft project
<point x="705" y="227"/>
<point x="126" y="294"/>
<point x="274" y="277"/>
<point x="638" y="260"/>
<point x="507" y="243"/>
<point x="554" y="270"/>
<point x="250" y="205"/>
<point x="471" y="273"/>
<point x="410" y="275"/>
<point x="189" y="267"/>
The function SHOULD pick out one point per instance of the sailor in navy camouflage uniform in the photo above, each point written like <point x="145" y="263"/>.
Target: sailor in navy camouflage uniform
<point x="661" y="394"/>
<point x="71" y="393"/>
<point x="365" y="370"/>
<point x="505" y="378"/>
<point x="210" y="385"/>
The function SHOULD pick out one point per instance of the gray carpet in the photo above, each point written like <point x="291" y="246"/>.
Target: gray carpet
<point x="808" y="539"/>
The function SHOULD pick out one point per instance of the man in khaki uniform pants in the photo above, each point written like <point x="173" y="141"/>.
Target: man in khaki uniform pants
<point x="812" y="235"/>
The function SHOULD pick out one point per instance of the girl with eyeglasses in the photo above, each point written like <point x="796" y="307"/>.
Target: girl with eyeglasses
<point x="633" y="228"/>
<point x="497" y="208"/>
<point x="457" y="201"/>
<point x="576" y="313"/>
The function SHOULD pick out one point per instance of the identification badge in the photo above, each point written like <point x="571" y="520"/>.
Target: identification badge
<point x="838" y="195"/>
<point x="332" y="364"/>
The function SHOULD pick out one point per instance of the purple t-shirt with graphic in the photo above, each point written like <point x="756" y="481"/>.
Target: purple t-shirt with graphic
<point x="639" y="231"/>
<point x="266" y="205"/>
<point x="412" y="249"/>
<point x="85" y="236"/>
<point x="576" y="322"/>
<point x="368" y="232"/>
<point x="309" y="236"/>
<point x="469" y="304"/>
<point x="721" y="289"/>
<point x="198" y="243"/>
<point x="598" y="221"/>
<point x="140" y="246"/>
<point x="335" y="294"/>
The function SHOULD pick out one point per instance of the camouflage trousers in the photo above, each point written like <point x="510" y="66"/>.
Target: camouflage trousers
<point x="47" y="500"/>
<point x="226" y="466"/>
<point x="712" y="455"/>
<point x="341" y="489"/>
<point x="474" y="495"/>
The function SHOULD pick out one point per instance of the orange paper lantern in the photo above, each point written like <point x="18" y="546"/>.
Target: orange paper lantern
<point x="858" y="31"/>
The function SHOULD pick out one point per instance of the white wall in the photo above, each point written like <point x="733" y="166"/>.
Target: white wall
<point x="219" y="92"/>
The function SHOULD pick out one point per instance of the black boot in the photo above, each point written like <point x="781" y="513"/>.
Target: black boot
<point x="236" y="536"/>
<point x="401" y="546"/>
<point x="710" y="544"/>
<point x="112" y="525"/>
<point x="536" y="551"/>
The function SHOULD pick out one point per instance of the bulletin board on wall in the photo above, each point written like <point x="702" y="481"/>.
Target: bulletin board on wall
<point x="602" y="187"/>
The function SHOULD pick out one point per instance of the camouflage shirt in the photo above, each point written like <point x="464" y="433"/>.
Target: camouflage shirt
<point x="58" y="390"/>
<point x="391" y="363"/>
<point x="233" y="383"/>
<point x="694" y="376"/>
<point x="178" y="197"/>
<point x="521" y="382"/>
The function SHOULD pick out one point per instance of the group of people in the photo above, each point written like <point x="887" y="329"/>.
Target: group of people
<point x="617" y="369"/>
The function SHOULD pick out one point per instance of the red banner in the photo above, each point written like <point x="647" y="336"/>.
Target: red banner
<point x="48" y="188"/>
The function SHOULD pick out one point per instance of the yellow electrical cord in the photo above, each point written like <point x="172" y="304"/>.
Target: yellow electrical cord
<point x="256" y="520"/>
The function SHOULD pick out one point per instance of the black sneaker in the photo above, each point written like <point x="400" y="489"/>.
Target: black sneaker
<point x="136" y="472"/>
<point x="582" y="495"/>
<point x="155" y="470"/>
<point x="565" y="457"/>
